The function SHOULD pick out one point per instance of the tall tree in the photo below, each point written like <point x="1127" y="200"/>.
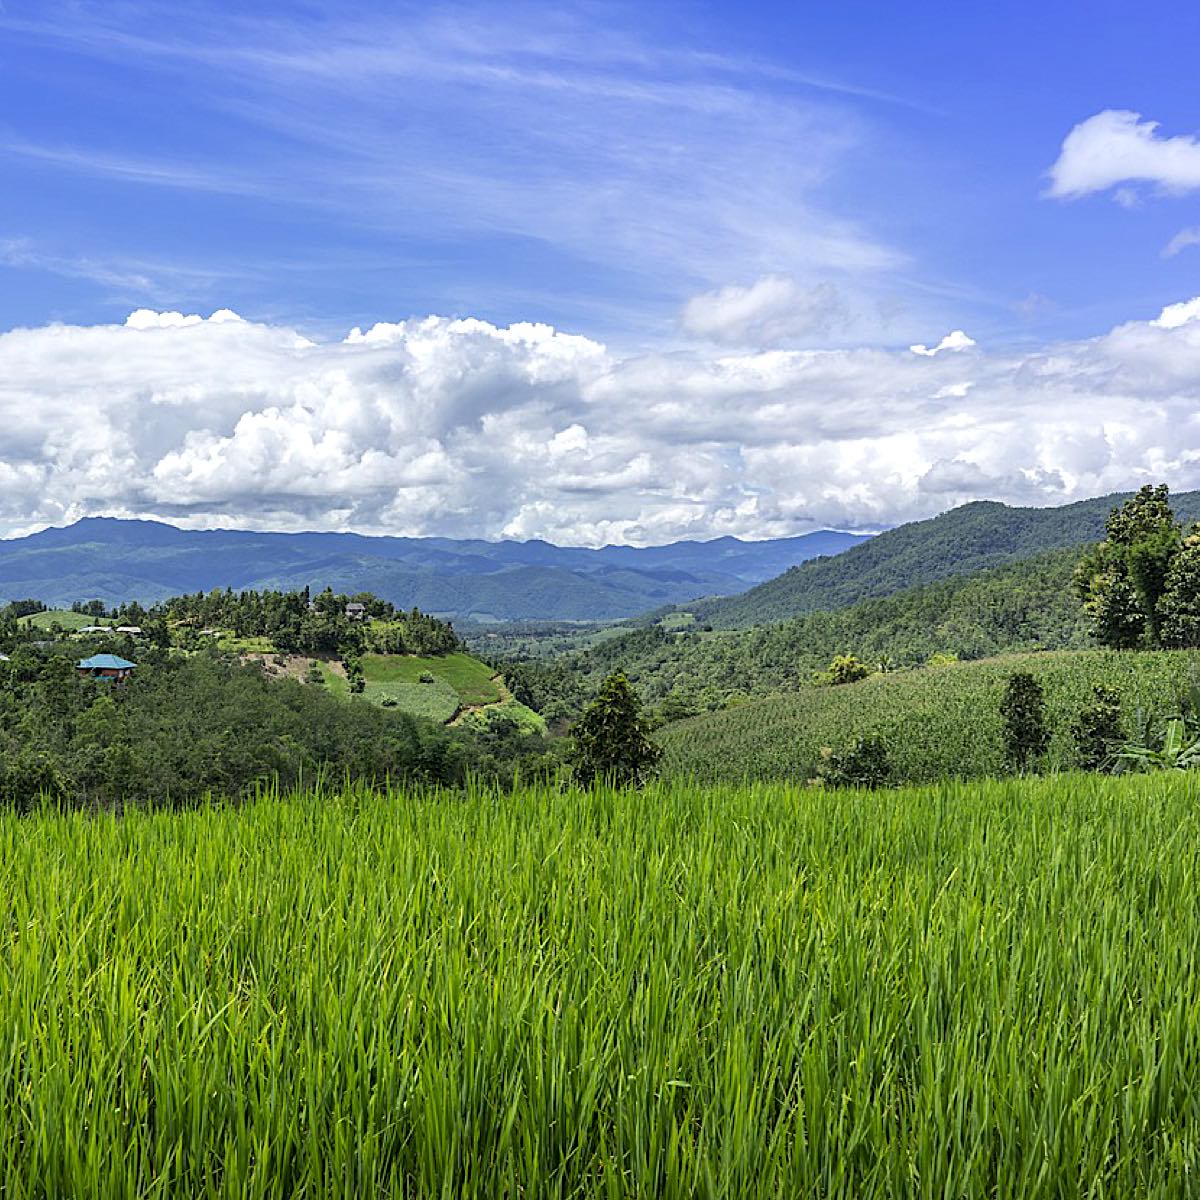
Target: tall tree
<point x="611" y="740"/>
<point x="1123" y="579"/>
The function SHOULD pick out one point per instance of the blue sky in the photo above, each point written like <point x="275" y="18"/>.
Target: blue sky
<point x="626" y="272"/>
<point x="593" y="166"/>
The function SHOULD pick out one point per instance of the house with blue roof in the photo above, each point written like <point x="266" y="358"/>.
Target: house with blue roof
<point x="106" y="666"/>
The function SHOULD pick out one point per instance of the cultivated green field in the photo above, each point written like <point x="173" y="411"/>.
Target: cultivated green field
<point x="470" y="679"/>
<point x="937" y="721"/>
<point x="64" y="618"/>
<point x="962" y="991"/>
<point x="458" y="680"/>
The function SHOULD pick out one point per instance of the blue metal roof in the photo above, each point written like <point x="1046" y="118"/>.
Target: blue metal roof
<point x="105" y="662"/>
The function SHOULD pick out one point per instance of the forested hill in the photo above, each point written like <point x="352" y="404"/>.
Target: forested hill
<point x="118" y="561"/>
<point x="1028" y="605"/>
<point x="975" y="537"/>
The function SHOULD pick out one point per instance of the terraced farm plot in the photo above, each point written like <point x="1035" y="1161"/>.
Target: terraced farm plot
<point x="970" y="990"/>
<point x="63" y="618"/>
<point x="470" y="679"/>
<point x="437" y="701"/>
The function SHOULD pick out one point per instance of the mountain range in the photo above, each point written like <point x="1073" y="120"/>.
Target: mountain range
<point x="116" y="560"/>
<point x="974" y="537"/>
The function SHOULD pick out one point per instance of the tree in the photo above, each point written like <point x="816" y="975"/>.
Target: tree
<point x="844" y="668"/>
<point x="1123" y="579"/>
<point x="1179" y="608"/>
<point x="1026" y="733"/>
<point x="864" y="763"/>
<point x="611" y="740"/>
<point x="1099" y="731"/>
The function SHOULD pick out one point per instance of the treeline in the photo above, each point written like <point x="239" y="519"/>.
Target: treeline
<point x="187" y="725"/>
<point x="294" y="622"/>
<point x="299" y="624"/>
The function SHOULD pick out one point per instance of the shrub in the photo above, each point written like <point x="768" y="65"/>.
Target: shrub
<point x="845" y="668"/>
<point x="1099" y="732"/>
<point x="865" y="763"/>
<point x="1026" y="732"/>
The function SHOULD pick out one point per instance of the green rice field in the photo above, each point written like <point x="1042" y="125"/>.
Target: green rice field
<point x="965" y="990"/>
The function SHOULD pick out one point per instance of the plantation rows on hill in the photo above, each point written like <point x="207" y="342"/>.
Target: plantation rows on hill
<point x="938" y="722"/>
<point x="968" y="991"/>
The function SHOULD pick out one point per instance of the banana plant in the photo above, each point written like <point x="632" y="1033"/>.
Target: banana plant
<point x="1180" y="750"/>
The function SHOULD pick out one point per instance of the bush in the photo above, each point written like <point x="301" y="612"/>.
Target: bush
<point x="1099" y="732"/>
<point x="865" y="763"/>
<point x="844" y="668"/>
<point x="1023" y="711"/>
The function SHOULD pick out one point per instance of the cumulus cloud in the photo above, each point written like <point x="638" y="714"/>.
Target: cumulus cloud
<point x="1175" y="315"/>
<point x="461" y="427"/>
<point x="771" y="310"/>
<point x="1117" y="147"/>
<point x="955" y="340"/>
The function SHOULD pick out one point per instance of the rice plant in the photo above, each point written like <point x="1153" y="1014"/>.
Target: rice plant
<point x="965" y="990"/>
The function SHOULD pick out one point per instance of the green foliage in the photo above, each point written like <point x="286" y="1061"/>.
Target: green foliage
<point x="964" y="991"/>
<point x="356" y="680"/>
<point x="1179" y="750"/>
<point x="17" y="609"/>
<point x="864" y="763"/>
<point x="1025" y="727"/>
<point x="843" y="668"/>
<point x="1179" y="608"/>
<point x="294" y="624"/>
<point x="610" y="742"/>
<point x="1141" y="585"/>
<point x="183" y="726"/>
<point x="1099" y="730"/>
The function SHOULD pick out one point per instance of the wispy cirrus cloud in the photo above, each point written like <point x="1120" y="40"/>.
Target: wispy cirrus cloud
<point x="1181" y="241"/>
<point x="674" y="169"/>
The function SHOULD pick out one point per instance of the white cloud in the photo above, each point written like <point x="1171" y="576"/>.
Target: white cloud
<point x="1175" y="315"/>
<point x="953" y="341"/>
<point x="1181" y="241"/>
<point x="461" y="427"/>
<point x="1117" y="147"/>
<point x="773" y="309"/>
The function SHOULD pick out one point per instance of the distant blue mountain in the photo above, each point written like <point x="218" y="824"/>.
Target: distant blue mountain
<point x="117" y="560"/>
